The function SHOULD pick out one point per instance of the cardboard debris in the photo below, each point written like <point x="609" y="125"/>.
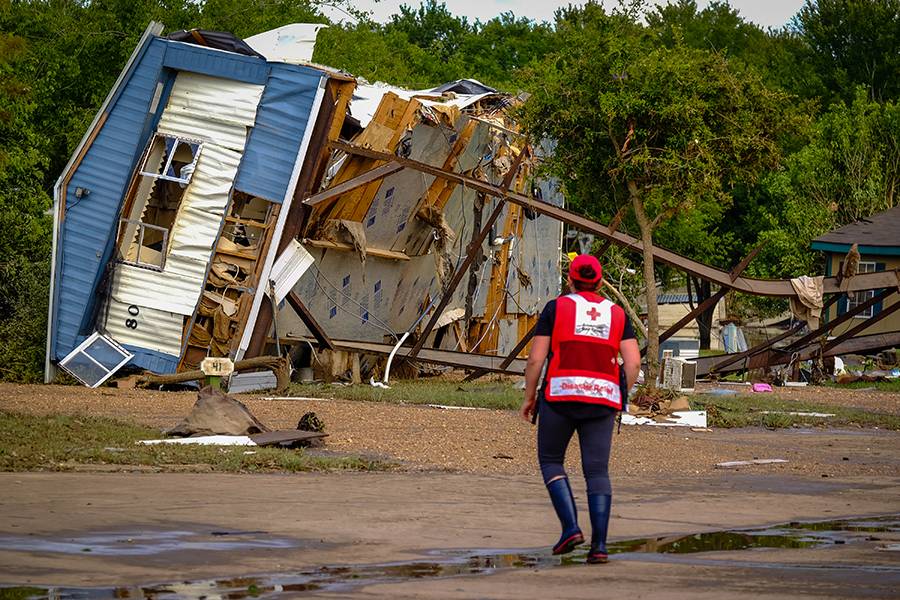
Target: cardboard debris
<point x="286" y="437"/>
<point x="687" y="418"/>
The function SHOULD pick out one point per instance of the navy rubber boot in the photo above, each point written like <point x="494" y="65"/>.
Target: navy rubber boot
<point x="599" y="507"/>
<point x="564" y="505"/>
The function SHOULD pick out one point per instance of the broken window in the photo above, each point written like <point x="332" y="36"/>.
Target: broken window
<point x="95" y="360"/>
<point x="164" y="174"/>
<point x="177" y="159"/>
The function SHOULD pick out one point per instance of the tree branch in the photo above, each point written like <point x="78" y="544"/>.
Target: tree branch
<point x="632" y="314"/>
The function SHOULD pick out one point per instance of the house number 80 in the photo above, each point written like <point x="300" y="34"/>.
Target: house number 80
<point x="133" y="311"/>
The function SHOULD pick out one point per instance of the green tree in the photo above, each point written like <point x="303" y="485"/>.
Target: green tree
<point x="668" y="130"/>
<point x="854" y="42"/>
<point x="850" y="169"/>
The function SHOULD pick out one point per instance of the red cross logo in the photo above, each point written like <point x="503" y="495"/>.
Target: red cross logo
<point x="593" y="314"/>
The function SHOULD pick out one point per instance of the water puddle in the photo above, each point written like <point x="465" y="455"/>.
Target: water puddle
<point x="444" y="564"/>
<point x="144" y="543"/>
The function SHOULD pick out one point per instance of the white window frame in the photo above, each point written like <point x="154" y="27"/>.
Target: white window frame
<point x="169" y="156"/>
<point x="81" y="350"/>
<point x="139" y="232"/>
<point x="857" y="298"/>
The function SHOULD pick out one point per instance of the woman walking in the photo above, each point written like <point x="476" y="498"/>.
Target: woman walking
<point x="583" y="335"/>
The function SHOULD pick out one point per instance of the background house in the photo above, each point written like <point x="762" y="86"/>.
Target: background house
<point x="878" y="238"/>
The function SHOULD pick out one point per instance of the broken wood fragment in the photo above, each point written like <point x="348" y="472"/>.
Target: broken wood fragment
<point x="278" y="365"/>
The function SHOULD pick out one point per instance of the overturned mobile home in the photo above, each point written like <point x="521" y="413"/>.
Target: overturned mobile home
<point x="223" y="204"/>
<point x="211" y="210"/>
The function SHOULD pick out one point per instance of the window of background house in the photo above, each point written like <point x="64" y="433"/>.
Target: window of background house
<point x="164" y="174"/>
<point x="857" y="298"/>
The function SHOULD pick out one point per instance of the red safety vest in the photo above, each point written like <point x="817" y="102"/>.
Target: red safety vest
<point x="585" y="345"/>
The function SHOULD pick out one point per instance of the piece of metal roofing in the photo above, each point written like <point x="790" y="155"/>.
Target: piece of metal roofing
<point x="292" y="43"/>
<point x="215" y="63"/>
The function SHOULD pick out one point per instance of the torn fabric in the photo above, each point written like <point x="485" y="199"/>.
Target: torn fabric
<point x="807" y="304"/>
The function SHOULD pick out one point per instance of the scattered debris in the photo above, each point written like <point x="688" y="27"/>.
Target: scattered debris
<point x="797" y="414"/>
<point x="215" y="182"/>
<point x="287" y="438"/>
<point x="206" y="440"/>
<point x="744" y="463"/>
<point x="687" y="418"/>
<point x="216" y="413"/>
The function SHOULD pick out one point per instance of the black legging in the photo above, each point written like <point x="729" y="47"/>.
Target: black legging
<point x="595" y="429"/>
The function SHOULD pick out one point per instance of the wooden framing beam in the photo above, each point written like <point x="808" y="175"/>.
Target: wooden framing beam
<point x="341" y="246"/>
<point x="473" y="248"/>
<point x="509" y="357"/>
<point x="759" y="287"/>
<point x="310" y="321"/>
<point x="352" y="184"/>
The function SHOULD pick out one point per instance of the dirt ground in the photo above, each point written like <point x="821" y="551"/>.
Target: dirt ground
<point x="468" y="485"/>
<point x="496" y="441"/>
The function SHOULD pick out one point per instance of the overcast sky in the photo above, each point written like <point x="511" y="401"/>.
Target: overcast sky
<point x="766" y="13"/>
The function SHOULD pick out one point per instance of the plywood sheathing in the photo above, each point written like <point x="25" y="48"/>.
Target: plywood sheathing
<point x="392" y="120"/>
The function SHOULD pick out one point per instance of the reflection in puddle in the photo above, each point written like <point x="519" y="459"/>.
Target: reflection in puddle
<point x="471" y="562"/>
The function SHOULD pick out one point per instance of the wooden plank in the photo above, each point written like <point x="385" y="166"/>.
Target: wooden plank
<point x="474" y="246"/>
<point x="379" y="252"/>
<point x="310" y="321"/>
<point x="509" y="357"/>
<point x="358" y="181"/>
<point x="440" y="189"/>
<point x="463" y="360"/>
<point x="286" y="436"/>
<point x="760" y="287"/>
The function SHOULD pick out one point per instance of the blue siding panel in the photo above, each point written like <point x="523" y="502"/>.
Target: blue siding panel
<point x="281" y="120"/>
<point x="88" y="229"/>
<point x="216" y="63"/>
<point x="155" y="362"/>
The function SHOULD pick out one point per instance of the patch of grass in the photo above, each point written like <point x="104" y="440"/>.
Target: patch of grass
<point x="710" y="352"/>
<point x="892" y="385"/>
<point x="478" y="394"/>
<point x="768" y="411"/>
<point x="61" y="443"/>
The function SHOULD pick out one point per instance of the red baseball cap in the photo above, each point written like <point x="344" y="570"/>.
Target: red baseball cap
<point x="585" y="260"/>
